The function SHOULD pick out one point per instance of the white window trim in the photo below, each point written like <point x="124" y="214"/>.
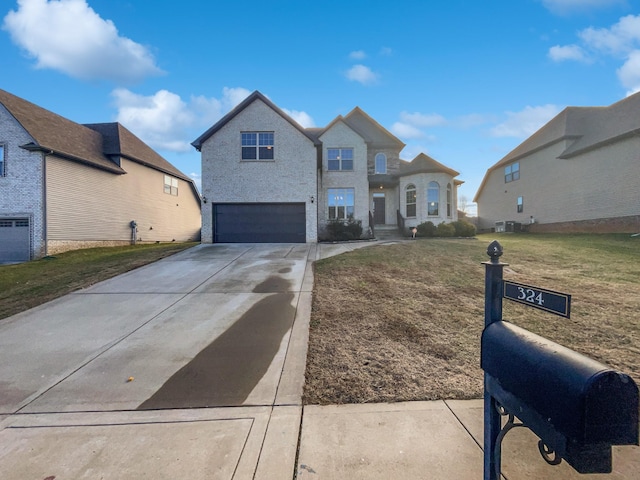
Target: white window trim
<point x="340" y="159"/>
<point x="375" y="163"/>
<point x="170" y="185"/>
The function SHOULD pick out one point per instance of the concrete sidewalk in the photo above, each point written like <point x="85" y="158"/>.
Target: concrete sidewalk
<point x="68" y="411"/>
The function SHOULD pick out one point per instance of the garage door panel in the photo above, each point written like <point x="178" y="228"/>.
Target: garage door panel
<point x="259" y="223"/>
<point x="15" y="243"/>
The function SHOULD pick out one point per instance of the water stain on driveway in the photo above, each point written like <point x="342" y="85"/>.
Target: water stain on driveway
<point x="226" y="371"/>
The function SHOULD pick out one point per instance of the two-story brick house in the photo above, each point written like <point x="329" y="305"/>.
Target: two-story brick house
<point x="267" y="179"/>
<point x="65" y="186"/>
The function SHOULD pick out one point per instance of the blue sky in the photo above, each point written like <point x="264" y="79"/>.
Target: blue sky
<point x="463" y="81"/>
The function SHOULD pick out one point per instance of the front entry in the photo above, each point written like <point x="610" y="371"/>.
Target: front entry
<point x="379" y="209"/>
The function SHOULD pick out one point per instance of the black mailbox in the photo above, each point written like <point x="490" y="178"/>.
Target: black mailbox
<point x="577" y="406"/>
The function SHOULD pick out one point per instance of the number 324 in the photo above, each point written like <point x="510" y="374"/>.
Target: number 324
<point x="529" y="295"/>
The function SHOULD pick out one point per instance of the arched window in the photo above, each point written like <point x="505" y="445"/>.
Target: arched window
<point x="381" y="163"/>
<point x="449" y="204"/>
<point x="433" y="198"/>
<point x="411" y="200"/>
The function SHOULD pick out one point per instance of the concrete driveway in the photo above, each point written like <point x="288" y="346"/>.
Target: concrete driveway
<point x="119" y="380"/>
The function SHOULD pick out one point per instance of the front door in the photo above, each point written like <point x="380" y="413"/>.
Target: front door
<point x="379" y="210"/>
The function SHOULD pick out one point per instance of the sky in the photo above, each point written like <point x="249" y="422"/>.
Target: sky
<point x="463" y="81"/>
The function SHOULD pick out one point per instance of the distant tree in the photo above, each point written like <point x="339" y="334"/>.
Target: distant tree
<point x="463" y="203"/>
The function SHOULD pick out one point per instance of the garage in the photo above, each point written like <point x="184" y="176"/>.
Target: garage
<point x="259" y="223"/>
<point x="15" y="245"/>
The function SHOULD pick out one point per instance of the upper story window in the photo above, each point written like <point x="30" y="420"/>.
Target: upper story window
<point x="257" y="145"/>
<point x="520" y="205"/>
<point x="340" y="158"/>
<point x="341" y="203"/>
<point x="449" y="201"/>
<point x="411" y="200"/>
<point x="511" y="172"/>
<point x="381" y="163"/>
<point x="170" y="185"/>
<point x="433" y="199"/>
<point x="2" y="162"/>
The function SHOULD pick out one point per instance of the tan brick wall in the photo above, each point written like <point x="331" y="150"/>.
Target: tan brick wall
<point x="341" y="136"/>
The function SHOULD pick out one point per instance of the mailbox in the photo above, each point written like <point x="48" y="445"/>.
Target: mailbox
<point x="577" y="406"/>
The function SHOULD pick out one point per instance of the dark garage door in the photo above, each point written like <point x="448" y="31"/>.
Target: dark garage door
<point x="14" y="240"/>
<point x="259" y="223"/>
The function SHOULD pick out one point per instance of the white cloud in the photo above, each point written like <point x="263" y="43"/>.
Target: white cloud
<point x="406" y="131"/>
<point x="69" y="36"/>
<point x="357" y="55"/>
<point x="303" y="118"/>
<point x="564" y="7"/>
<point x="165" y="121"/>
<point x="629" y="73"/>
<point x="619" y="39"/>
<point x="362" y="74"/>
<point x="197" y="178"/>
<point x="568" y="52"/>
<point x="421" y="120"/>
<point x="385" y="51"/>
<point x="525" y="123"/>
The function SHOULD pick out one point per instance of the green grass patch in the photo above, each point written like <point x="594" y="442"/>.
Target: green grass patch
<point x="26" y="285"/>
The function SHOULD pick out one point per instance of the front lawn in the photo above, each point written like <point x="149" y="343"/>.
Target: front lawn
<point x="27" y="285"/>
<point x="402" y="322"/>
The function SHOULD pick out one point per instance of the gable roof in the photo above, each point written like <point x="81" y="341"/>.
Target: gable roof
<point x="585" y="128"/>
<point x="98" y="145"/>
<point x="424" y="164"/>
<point x="256" y="95"/>
<point x="370" y="130"/>
<point x="118" y="141"/>
<point x="52" y="133"/>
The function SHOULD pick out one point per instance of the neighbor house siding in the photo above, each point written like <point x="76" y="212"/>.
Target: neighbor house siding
<point x="341" y="136"/>
<point x="87" y="206"/>
<point x="289" y="178"/>
<point x="21" y="186"/>
<point x="601" y="183"/>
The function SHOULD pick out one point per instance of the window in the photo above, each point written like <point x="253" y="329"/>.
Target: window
<point x="2" y="172"/>
<point x="170" y="185"/>
<point x="433" y="198"/>
<point x="449" y="205"/>
<point x="511" y="172"/>
<point x="381" y="163"/>
<point x="257" y="145"/>
<point x="520" y="205"/>
<point x="340" y="202"/>
<point x="411" y="200"/>
<point x="340" y="159"/>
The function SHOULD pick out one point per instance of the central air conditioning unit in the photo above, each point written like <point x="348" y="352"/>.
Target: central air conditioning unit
<point x="500" y="227"/>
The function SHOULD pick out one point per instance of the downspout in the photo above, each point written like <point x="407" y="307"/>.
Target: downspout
<point x="45" y="238"/>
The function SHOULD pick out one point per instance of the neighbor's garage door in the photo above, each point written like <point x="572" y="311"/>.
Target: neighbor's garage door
<point x="14" y="240"/>
<point x="259" y="223"/>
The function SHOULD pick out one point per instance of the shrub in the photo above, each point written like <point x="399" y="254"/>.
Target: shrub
<point x="446" y="230"/>
<point x="426" y="229"/>
<point x="464" y="229"/>
<point x="340" y="230"/>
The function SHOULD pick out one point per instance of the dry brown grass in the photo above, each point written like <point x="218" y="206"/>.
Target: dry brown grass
<point x="403" y="322"/>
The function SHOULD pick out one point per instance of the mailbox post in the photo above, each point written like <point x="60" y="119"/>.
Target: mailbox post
<point x="576" y="406"/>
<point x="492" y="313"/>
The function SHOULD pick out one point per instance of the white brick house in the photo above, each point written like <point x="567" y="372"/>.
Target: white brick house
<point x="267" y="179"/>
<point x="579" y="173"/>
<point x="65" y="186"/>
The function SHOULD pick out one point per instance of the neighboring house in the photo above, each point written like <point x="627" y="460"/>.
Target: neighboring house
<point x="578" y="173"/>
<point x="267" y="179"/>
<point x="65" y="186"/>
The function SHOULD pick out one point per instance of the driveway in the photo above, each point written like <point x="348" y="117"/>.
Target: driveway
<point x="204" y="347"/>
